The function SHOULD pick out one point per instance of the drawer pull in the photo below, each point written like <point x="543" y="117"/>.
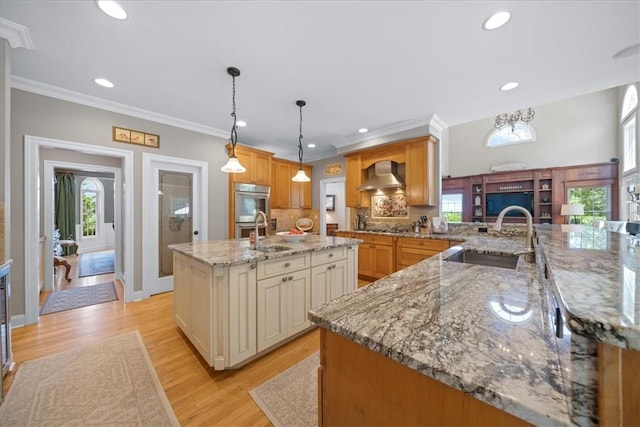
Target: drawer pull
<point x="559" y="332"/>
<point x="330" y="255"/>
<point x="287" y="264"/>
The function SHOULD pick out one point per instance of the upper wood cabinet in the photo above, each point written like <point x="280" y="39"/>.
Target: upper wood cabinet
<point x="421" y="170"/>
<point x="354" y="198"/>
<point x="257" y="163"/>
<point x="280" y="185"/>
<point x="286" y="194"/>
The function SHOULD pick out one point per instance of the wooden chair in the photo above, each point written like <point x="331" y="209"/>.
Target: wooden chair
<point x="57" y="261"/>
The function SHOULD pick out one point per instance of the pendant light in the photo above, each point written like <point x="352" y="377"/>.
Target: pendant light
<point x="233" y="164"/>
<point x="300" y="176"/>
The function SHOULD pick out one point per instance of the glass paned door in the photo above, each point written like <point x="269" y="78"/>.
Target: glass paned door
<point x="175" y="223"/>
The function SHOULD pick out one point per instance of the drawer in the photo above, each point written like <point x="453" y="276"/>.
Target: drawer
<point x="328" y="255"/>
<point x="375" y="239"/>
<point x="348" y="234"/>
<point x="274" y="267"/>
<point x="431" y="244"/>
<point x="408" y="256"/>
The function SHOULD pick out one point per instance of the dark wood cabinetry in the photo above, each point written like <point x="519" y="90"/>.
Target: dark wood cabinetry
<point x="544" y="189"/>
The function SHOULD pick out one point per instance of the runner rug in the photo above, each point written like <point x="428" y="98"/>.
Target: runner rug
<point x="71" y="298"/>
<point x="94" y="263"/>
<point x="291" y="398"/>
<point x="109" y="383"/>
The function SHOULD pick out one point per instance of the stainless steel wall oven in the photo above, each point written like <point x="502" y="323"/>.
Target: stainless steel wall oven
<point x="249" y="199"/>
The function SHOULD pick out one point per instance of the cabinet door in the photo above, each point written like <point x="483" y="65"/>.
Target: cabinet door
<point x="242" y="312"/>
<point x="272" y="316"/>
<point x="383" y="264"/>
<point x="245" y="158"/>
<point x="365" y="259"/>
<point x="182" y="292"/>
<point x="421" y="171"/>
<point x="262" y="169"/>
<point x="353" y="197"/>
<point x="281" y="186"/>
<point x="201" y="308"/>
<point x="320" y="285"/>
<point x="298" y="301"/>
<point x="338" y="284"/>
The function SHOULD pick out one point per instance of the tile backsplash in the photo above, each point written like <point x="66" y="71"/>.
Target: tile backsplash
<point x="286" y="218"/>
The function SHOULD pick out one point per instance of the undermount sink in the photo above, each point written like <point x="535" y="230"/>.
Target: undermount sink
<point x="272" y="248"/>
<point x="491" y="260"/>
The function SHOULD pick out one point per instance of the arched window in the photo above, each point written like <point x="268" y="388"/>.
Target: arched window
<point x="507" y="134"/>
<point x="628" y="124"/>
<point x="92" y="207"/>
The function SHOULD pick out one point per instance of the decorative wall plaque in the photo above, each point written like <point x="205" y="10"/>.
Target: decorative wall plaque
<point x="333" y="169"/>
<point x="135" y="137"/>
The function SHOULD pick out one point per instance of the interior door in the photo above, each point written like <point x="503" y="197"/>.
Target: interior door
<point x="174" y="211"/>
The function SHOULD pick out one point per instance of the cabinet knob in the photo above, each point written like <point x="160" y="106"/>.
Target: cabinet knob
<point x="253" y="266"/>
<point x="284" y="279"/>
<point x="287" y="264"/>
<point x="330" y="255"/>
<point x="333" y="266"/>
<point x="290" y="277"/>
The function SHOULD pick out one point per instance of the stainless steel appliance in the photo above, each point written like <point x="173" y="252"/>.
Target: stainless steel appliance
<point x="249" y="199"/>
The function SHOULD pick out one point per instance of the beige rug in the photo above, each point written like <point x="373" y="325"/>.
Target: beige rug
<point x="291" y="398"/>
<point x="109" y="383"/>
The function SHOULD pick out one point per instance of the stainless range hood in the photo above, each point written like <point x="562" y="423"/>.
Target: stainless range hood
<point x="383" y="174"/>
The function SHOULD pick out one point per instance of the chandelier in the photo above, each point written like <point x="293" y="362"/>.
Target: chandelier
<point x="512" y="118"/>
<point x="300" y="176"/>
<point x="233" y="164"/>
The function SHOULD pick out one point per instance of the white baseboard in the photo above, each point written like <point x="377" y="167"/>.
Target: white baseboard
<point x="17" y="321"/>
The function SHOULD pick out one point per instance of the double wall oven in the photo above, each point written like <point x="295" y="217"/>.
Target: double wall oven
<point x="249" y="199"/>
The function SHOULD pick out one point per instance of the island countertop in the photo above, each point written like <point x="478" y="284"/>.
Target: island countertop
<point x="231" y="252"/>
<point x="488" y="331"/>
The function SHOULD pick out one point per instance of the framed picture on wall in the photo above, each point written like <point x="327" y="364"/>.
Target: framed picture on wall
<point x="330" y="202"/>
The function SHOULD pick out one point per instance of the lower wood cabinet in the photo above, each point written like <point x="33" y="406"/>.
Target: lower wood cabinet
<point x="410" y="251"/>
<point x="376" y="256"/>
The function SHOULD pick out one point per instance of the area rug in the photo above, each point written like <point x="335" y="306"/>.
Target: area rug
<point x="94" y="263"/>
<point x="291" y="398"/>
<point x="71" y="298"/>
<point x="109" y="383"/>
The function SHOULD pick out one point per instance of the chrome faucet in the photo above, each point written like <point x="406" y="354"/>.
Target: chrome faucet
<point x="529" y="253"/>
<point x="266" y="227"/>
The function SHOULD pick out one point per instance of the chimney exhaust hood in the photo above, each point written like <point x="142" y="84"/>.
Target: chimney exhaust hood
<point x="383" y="174"/>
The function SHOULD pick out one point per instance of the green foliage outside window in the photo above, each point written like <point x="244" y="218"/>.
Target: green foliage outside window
<point x="595" y="202"/>
<point x="89" y="217"/>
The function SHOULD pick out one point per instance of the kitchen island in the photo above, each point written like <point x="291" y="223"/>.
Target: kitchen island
<point x="235" y="303"/>
<point x="481" y="343"/>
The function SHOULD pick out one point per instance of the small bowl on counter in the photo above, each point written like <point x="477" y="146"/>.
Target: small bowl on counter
<point x="290" y="237"/>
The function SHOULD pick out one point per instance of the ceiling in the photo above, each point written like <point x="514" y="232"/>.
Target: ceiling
<point x="388" y="66"/>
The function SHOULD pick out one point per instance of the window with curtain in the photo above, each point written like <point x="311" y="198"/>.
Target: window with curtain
<point x="628" y="132"/>
<point x="65" y="206"/>
<point x="91" y="210"/>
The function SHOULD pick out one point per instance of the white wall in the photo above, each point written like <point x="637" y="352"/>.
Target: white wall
<point x="338" y="216"/>
<point x="579" y="130"/>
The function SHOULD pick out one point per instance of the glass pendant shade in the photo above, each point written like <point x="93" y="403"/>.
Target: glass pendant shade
<point x="300" y="176"/>
<point x="233" y="166"/>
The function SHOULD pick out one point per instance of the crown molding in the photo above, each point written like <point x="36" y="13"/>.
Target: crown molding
<point x="437" y="126"/>
<point x="103" y="104"/>
<point x="16" y="34"/>
<point x="381" y="133"/>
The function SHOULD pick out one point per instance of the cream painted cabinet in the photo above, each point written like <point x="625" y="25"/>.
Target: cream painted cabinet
<point x="215" y="307"/>
<point x="284" y="298"/>
<point x="330" y="275"/>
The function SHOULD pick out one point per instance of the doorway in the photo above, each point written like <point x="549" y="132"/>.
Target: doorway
<point x="175" y="210"/>
<point x="32" y="210"/>
<point x="333" y="187"/>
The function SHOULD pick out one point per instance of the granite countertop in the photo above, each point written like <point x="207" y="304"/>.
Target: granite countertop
<point x="488" y="331"/>
<point x="231" y="252"/>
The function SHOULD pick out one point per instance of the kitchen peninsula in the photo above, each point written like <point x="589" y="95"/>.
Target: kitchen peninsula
<point x="450" y="343"/>
<point x="235" y="303"/>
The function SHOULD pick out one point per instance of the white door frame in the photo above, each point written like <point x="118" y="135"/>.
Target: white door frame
<point x="32" y="180"/>
<point x="323" y="207"/>
<point x="151" y="165"/>
<point x="47" y="188"/>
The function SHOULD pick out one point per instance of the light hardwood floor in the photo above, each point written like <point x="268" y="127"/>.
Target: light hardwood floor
<point x="198" y="395"/>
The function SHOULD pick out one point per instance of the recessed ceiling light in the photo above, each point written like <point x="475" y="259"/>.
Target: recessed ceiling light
<point x="496" y="20"/>
<point x="241" y="123"/>
<point x="312" y="145"/>
<point x="509" y="86"/>
<point x="363" y="130"/>
<point x="112" y="9"/>
<point x="628" y="51"/>
<point x="103" y="82"/>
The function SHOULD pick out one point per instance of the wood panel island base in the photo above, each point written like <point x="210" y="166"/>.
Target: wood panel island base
<point x="357" y="386"/>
